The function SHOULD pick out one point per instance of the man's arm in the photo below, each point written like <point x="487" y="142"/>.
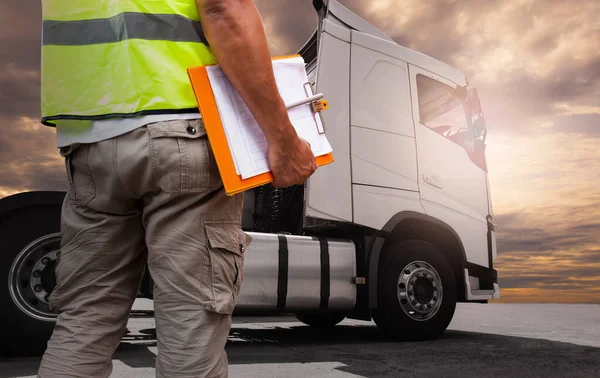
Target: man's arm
<point x="236" y="36"/>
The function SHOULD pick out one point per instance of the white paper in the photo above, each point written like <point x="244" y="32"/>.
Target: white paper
<point x="246" y="140"/>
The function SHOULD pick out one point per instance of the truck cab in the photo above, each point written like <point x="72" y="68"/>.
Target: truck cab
<point x="409" y="137"/>
<point x="409" y="186"/>
<point x="398" y="230"/>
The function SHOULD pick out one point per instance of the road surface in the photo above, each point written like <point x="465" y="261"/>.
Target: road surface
<point x="495" y="340"/>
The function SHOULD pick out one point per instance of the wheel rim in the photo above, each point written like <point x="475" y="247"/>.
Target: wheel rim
<point x="31" y="277"/>
<point x="420" y="290"/>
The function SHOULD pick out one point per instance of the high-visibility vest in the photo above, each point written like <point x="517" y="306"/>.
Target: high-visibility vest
<point x="106" y="59"/>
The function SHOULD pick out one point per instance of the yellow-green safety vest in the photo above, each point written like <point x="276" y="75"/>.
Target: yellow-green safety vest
<point x="106" y="59"/>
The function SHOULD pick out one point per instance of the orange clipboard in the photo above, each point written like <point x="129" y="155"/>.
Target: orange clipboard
<point x="207" y="105"/>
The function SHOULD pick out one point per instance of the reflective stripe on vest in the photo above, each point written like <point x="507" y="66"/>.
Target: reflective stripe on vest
<point x="118" y="59"/>
<point x="167" y="27"/>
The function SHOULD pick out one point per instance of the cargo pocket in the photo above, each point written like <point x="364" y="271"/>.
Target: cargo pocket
<point x="81" y="186"/>
<point x="226" y="244"/>
<point x="181" y="156"/>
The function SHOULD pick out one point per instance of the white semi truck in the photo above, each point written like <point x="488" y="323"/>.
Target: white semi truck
<point x="398" y="229"/>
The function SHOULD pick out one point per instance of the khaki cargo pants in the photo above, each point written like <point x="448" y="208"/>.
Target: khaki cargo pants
<point x="153" y="195"/>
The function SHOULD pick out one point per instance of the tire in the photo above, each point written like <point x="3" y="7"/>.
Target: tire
<point x="28" y="236"/>
<point x="320" y="320"/>
<point x="420" y="315"/>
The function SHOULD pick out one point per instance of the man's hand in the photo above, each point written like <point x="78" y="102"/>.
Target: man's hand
<point x="237" y="38"/>
<point x="292" y="163"/>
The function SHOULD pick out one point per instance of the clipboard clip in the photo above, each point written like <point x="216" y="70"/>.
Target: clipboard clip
<point x="317" y="106"/>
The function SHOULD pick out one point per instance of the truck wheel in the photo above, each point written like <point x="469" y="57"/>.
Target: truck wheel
<point x="416" y="291"/>
<point x="320" y="320"/>
<point x="30" y="241"/>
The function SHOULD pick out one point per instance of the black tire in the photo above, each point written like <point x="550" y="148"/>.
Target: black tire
<point x="321" y="320"/>
<point x="390" y="314"/>
<point x="22" y="333"/>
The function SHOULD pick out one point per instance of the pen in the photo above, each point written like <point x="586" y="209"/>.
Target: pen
<point x="304" y="101"/>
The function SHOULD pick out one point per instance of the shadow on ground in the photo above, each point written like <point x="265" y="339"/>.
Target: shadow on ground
<point x="365" y="351"/>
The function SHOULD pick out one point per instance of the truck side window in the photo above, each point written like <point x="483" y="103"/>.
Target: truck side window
<point x="443" y="111"/>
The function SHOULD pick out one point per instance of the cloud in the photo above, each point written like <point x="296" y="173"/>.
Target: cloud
<point x="551" y="256"/>
<point x="587" y="124"/>
<point x="19" y="92"/>
<point x="543" y="168"/>
<point x="516" y="237"/>
<point x="20" y="36"/>
<point x="547" y="207"/>
<point x="288" y="24"/>
<point x="30" y="160"/>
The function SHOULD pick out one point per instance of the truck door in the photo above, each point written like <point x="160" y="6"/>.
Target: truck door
<point x="327" y="54"/>
<point x="368" y="123"/>
<point x="451" y="172"/>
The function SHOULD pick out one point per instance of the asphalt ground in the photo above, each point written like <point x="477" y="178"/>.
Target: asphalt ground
<point x="495" y="340"/>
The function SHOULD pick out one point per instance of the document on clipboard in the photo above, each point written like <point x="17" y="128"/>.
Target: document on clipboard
<point x="239" y="146"/>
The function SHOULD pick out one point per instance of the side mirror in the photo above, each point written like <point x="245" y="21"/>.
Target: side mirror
<point x="478" y="124"/>
<point x="473" y="101"/>
<point x="479" y="129"/>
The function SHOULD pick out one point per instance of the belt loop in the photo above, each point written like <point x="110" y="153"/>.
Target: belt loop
<point x="68" y="150"/>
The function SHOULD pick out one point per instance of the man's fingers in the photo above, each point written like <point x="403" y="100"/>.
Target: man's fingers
<point x="298" y="168"/>
<point x="314" y="165"/>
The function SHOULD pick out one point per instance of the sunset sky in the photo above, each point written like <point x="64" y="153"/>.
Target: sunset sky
<point x="536" y="64"/>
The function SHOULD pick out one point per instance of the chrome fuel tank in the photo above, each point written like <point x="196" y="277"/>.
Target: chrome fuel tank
<point x="289" y="272"/>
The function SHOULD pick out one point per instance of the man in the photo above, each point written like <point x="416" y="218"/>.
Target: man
<point x="143" y="183"/>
